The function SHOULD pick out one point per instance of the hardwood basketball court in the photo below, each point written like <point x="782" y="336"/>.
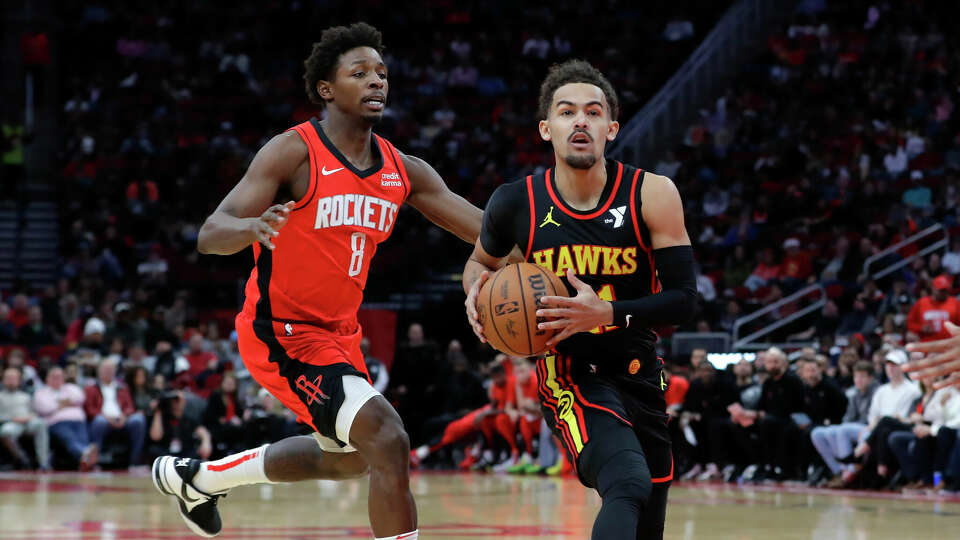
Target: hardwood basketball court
<point x="460" y="507"/>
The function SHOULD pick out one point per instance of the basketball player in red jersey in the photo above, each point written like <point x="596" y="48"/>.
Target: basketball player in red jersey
<point x="298" y="330"/>
<point x="616" y="234"/>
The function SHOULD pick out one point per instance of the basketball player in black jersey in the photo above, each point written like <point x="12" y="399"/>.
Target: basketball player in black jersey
<point x="616" y="235"/>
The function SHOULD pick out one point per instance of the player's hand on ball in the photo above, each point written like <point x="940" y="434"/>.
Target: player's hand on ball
<point x="942" y="358"/>
<point x="580" y="313"/>
<point x="471" y="305"/>
<point x="268" y="225"/>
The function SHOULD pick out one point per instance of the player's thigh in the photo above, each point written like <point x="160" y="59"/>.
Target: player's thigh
<point x="377" y="432"/>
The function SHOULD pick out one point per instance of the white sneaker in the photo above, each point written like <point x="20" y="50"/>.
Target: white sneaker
<point x="505" y="464"/>
<point x="692" y="473"/>
<point x="711" y="473"/>
<point x="173" y="476"/>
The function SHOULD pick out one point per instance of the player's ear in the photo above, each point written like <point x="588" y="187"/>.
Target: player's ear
<point x="325" y="89"/>
<point x="612" y="130"/>
<point x="544" y="130"/>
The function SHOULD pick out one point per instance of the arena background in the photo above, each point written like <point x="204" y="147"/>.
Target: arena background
<point x="815" y="144"/>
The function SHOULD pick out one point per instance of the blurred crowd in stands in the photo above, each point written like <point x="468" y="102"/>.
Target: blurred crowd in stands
<point x="836" y="142"/>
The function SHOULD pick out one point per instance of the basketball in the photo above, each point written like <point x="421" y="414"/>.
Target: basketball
<point x="507" y="308"/>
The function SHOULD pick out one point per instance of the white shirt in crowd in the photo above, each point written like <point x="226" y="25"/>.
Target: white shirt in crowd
<point x="895" y="401"/>
<point x="943" y="410"/>
<point x="951" y="261"/>
<point x="111" y="407"/>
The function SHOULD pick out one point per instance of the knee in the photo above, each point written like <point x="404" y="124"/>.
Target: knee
<point x="136" y="421"/>
<point x="390" y="447"/>
<point x="8" y="431"/>
<point x="99" y="421"/>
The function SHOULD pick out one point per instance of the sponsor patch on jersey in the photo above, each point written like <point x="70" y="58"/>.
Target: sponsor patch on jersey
<point x="390" y="180"/>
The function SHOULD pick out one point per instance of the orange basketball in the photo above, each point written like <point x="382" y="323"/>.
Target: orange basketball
<point x="507" y="308"/>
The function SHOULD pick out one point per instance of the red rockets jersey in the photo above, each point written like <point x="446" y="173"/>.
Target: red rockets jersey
<point x="317" y="273"/>
<point x="501" y="395"/>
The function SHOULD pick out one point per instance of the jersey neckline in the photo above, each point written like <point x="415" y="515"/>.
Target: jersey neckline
<point x="614" y="170"/>
<point x="332" y="148"/>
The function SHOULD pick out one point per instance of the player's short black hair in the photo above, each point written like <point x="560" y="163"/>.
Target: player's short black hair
<point x="335" y="41"/>
<point x="575" y="71"/>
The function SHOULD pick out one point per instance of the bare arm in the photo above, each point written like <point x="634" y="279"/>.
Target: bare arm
<point x="664" y="217"/>
<point x="245" y="215"/>
<point x="431" y="196"/>
<point x="156" y="426"/>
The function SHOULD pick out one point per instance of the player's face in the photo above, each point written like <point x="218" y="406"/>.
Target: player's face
<point x="579" y="125"/>
<point x="359" y="85"/>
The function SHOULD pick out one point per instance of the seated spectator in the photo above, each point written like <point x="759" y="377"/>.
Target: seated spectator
<point x="35" y="333"/>
<point x="858" y="321"/>
<point x="837" y="441"/>
<point x="773" y="420"/>
<point x="927" y="447"/>
<point x="173" y="433"/>
<point x="823" y="405"/>
<point x="139" y="387"/>
<point x="110" y="408"/>
<point x="524" y="412"/>
<point x="18" y="418"/>
<point x="29" y="381"/>
<point x="60" y="405"/>
<point x="378" y="372"/>
<point x="765" y="273"/>
<point x="705" y="412"/>
<point x="889" y="412"/>
<point x="223" y="418"/>
<point x="8" y="332"/>
<point x="930" y="312"/>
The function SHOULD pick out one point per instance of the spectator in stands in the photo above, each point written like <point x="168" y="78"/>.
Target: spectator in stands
<point x="110" y="408"/>
<point x="414" y="380"/>
<point x="60" y="405"/>
<point x="172" y="432"/>
<point x="859" y="320"/>
<point x="17" y="418"/>
<point x="951" y="260"/>
<point x="824" y="404"/>
<point x="705" y="412"/>
<point x="697" y="356"/>
<point x="223" y="418"/>
<point x="930" y="312"/>
<point x="138" y="384"/>
<point x="796" y="267"/>
<point x="773" y="420"/>
<point x="8" y="332"/>
<point x="748" y="387"/>
<point x="889" y="412"/>
<point x="29" y="381"/>
<point x="378" y="372"/>
<point x="837" y="441"/>
<point x="927" y="447"/>
<point x="35" y="333"/>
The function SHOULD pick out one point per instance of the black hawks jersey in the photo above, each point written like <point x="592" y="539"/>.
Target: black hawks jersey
<point x="607" y="247"/>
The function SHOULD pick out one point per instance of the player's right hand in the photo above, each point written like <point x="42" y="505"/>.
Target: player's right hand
<point x="471" y="304"/>
<point x="268" y="225"/>
<point x="942" y="358"/>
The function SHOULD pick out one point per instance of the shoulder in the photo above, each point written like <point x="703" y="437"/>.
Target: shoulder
<point x="510" y="192"/>
<point x="286" y="145"/>
<point x="656" y="186"/>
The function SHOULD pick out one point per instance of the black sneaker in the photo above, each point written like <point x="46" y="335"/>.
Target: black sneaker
<point x="173" y="476"/>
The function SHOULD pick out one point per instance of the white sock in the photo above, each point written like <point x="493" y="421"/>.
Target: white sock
<point x="235" y="470"/>
<point x="405" y="536"/>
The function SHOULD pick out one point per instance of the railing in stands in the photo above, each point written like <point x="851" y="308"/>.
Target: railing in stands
<point x="748" y="343"/>
<point x="706" y="73"/>
<point x="930" y="231"/>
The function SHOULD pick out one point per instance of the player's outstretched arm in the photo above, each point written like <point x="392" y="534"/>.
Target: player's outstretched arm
<point x="247" y="215"/>
<point x="430" y="195"/>
<point x="942" y="359"/>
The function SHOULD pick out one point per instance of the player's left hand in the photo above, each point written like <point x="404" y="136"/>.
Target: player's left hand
<point x="943" y="358"/>
<point x="581" y="313"/>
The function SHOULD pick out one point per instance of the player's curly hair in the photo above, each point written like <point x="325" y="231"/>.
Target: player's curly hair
<point x="575" y="71"/>
<point x="335" y="41"/>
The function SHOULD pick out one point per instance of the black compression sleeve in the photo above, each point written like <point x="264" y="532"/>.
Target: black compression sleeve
<point x="675" y="304"/>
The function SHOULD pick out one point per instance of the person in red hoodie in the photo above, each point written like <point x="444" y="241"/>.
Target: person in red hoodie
<point x="927" y="316"/>
<point x="109" y="407"/>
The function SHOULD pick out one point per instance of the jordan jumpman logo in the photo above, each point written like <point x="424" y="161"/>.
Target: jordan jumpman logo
<point x="549" y="219"/>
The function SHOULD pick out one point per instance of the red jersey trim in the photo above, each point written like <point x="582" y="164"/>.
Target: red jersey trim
<point x="533" y="218"/>
<point x="563" y="207"/>
<point x="304" y="133"/>
<point x="654" y="282"/>
<point x="398" y="164"/>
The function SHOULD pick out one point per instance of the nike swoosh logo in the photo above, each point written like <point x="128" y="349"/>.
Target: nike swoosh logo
<point x="325" y="172"/>
<point x="628" y="321"/>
